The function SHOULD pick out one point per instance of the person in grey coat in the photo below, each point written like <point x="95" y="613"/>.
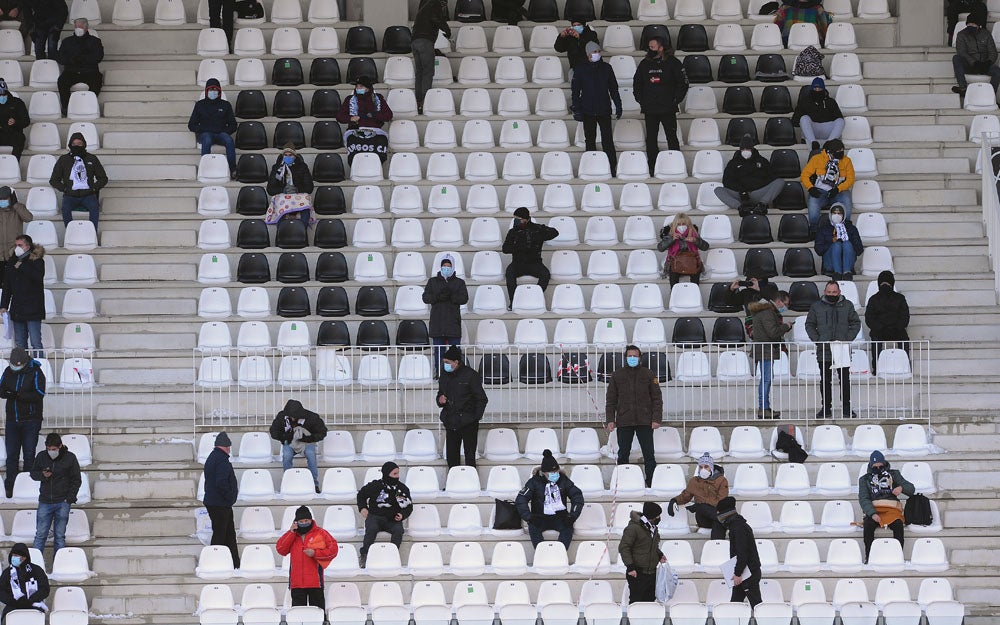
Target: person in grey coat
<point x="833" y="318"/>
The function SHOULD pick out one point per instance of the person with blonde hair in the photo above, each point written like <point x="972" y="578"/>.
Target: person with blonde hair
<point x="681" y="238"/>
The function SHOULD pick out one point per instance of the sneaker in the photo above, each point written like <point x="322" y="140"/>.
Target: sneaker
<point x="232" y="175"/>
<point x="318" y="489"/>
<point x="959" y="90"/>
<point x="825" y="413"/>
<point x="767" y="413"/>
<point x="847" y="276"/>
<point x="850" y="415"/>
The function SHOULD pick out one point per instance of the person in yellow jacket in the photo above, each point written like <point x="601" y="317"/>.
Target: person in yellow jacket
<point x="827" y="179"/>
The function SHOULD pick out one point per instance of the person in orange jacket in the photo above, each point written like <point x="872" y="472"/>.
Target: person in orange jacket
<point x="311" y="549"/>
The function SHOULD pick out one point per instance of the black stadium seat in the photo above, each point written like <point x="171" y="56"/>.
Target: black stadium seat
<point x="729" y="331"/>
<point x="331" y="267"/>
<point x="785" y="163"/>
<point x="250" y="104"/>
<point x="534" y="368"/>
<point x="495" y="369"/>
<point x="467" y="12"/>
<point x="332" y="302"/>
<point x="759" y="263"/>
<point x="543" y="11"/>
<point x="373" y="334"/>
<point x="333" y="334"/>
<point x="324" y="72"/>
<point x="328" y="167"/>
<point x="616" y="11"/>
<point x="792" y="197"/>
<point x="720" y="300"/>
<point x="802" y="295"/>
<point x="608" y="363"/>
<point x="330" y="234"/>
<point x="253" y="269"/>
<point x="252" y="169"/>
<point x="289" y="132"/>
<point x="360" y="40"/>
<point x="371" y="301"/>
<point x="659" y="364"/>
<point x="293" y="301"/>
<point x="579" y="11"/>
<point x="253" y="235"/>
<point x="293" y="268"/>
<point x="288" y="104"/>
<point x="800" y="262"/>
<point x="738" y="127"/>
<point x="698" y="69"/>
<point x="251" y="201"/>
<point x="326" y="135"/>
<point x="251" y="136"/>
<point x="692" y="38"/>
<point x="794" y="228"/>
<point x="287" y="72"/>
<point x="779" y="131"/>
<point x="291" y="234"/>
<point x="688" y="331"/>
<point x="325" y="103"/>
<point x="361" y="66"/>
<point x="329" y="201"/>
<point x="397" y="40"/>
<point x="776" y="100"/>
<point x="755" y="230"/>
<point x="654" y="30"/>
<point x="412" y="333"/>
<point x="738" y="101"/>
<point x="771" y="68"/>
<point x="733" y="68"/>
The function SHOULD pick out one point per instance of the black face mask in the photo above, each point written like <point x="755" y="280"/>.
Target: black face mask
<point x="831" y="298"/>
<point x="652" y="54"/>
<point x="303" y="530"/>
<point x="818" y="95"/>
<point x="391" y="481"/>
<point x="77" y="150"/>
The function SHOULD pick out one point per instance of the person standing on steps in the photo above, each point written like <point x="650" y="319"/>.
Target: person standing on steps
<point x="634" y="408"/>
<point x="221" y="490"/>
<point x="594" y="90"/>
<point x="23" y="386"/>
<point x="659" y="85"/>
<point x="639" y="551"/>
<point x="572" y="41"/>
<point x="887" y="315"/>
<point x="833" y="320"/>
<point x="743" y="547"/>
<point x="220" y="15"/>
<point x="23" y="296"/>
<point x="310" y="549"/>
<point x="45" y="19"/>
<point x="13" y="215"/>
<point x="446" y="293"/>
<point x="463" y="402"/>
<point x="384" y="504"/>
<point x="524" y="243"/>
<point x="768" y="332"/>
<point x="431" y="18"/>
<point x="58" y="471"/>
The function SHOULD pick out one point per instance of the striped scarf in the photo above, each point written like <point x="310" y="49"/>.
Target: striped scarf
<point x="354" y="108"/>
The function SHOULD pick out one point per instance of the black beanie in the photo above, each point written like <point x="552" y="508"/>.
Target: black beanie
<point x="522" y="213"/>
<point x="886" y="277"/>
<point x="651" y="510"/>
<point x="388" y="468"/>
<point x="453" y="353"/>
<point x="302" y="513"/>
<point x="726" y="504"/>
<point x="549" y="463"/>
<point x="746" y="143"/>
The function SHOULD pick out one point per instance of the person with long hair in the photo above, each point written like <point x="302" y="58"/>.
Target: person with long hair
<point x="681" y="235"/>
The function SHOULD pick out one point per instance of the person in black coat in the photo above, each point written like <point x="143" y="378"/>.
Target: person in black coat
<point x="80" y="55"/>
<point x="80" y="176"/>
<point x="594" y="90"/>
<point x="838" y="242"/>
<point x="384" y="504"/>
<point x="573" y="40"/>
<point x="887" y="314"/>
<point x="213" y="123"/>
<point x="58" y="471"/>
<point x="818" y="115"/>
<point x="743" y="547"/>
<point x="446" y="293"/>
<point x="659" y="85"/>
<point x="549" y="501"/>
<point x="431" y="18"/>
<point x="221" y="490"/>
<point x="524" y="244"/>
<point x="747" y="181"/>
<point x="298" y="430"/>
<point x="290" y="174"/>
<point x="220" y="15"/>
<point x="463" y="402"/>
<point x="23" y="386"/>
<point x="23" y="296"/>
<point x="13" y="120"/>
<point x="32" y="585"/>
<point x="46" y="19"/>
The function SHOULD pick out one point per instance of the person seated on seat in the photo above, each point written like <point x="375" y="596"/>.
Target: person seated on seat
<point x="976" y="53"/>
<point x="828" y="178"/>
<point x="747" y="182"/>
<point x="364" y="108"/>
<point x="573" y="40"/>
<point x="878" y="493"/>
<point x="384" y="504"/>
<point x="681" y="236"/>
<point x="213" y="123"/>
<point x="808" y="11"/>
<point x="44" y="20"/>
<point x="549" y="501"/>
<point x="524" y="244"/>
<point x="80" y="176"/>
<point x="706" y="488"/>
<point x="818" y="115"/>
<point x="24" y="584"/>
<point x="80" y="54"/>
<point x="298" y="430"/>
<point x="887" y="314"/>
<point x="839" y="244"/>
<point x="290" y="179"/>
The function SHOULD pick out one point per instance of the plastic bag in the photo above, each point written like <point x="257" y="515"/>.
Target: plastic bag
<point x="666" y="582"/>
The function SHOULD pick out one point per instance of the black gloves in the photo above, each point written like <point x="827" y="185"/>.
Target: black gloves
<point x="834" y="191"/>
<point x="815" y="192"/>
<point x="671" y="506"/>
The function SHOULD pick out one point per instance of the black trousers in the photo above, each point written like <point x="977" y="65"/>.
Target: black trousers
<point x="826" y="373"/>
<point x="676" y="277"/>
<point x="536" y="269"/>
<point x="642" y="587"/>
<point x="653" y="123"/>
<point x="376" y="523"/>
<point x="749" y="589"/>
<point x="707" y="512"/>
<point x="15" y="140"/>
<point x="590" y="124"/>
<point x="69" y="77"/>
<point x="877" y="345"/>
<point x="220" y="15"/>
<point x="309" y="596"/>
<point x="456" y="440"/>
<point x="224" y="530"/>
<point x="644" y="433"/>
<point x="869" y="533"/>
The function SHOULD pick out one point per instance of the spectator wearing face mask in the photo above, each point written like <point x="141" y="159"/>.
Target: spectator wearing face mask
<point x="310" y="549"/>
<point x="639" y="551"/>
<point x="524" y="243"/>
<point x="58" y="471"/>
<point x="364" y="108"/>
<point x="680" y="236"/>
<point x="887" y="314"/>
<point x="747" y="182"/>
<point x="23" y="386"/>
<point x="839" y="243"/>
<point x="704" y="491"/>
<point x="44" y="20"/>
<point x="634" y="408"/>
<point x="828" y="178"/>
<point x="573" y="40"/>
<point x="768" y="331"/>
<point x="446" y="293"/>
<point x="221" y="491"/>
<point x="743" y="547"/>
<point x="80" y="54"/>
<point x="213" y="123"/>
<point x="976" y="53"/>
<point x="832" y="323"/>
<point x="23" y="296"/>
<point x="878" y="494"/>
<point x="818" y="115"/>
<point x="13" y="120"/>
<point x="659" y="85"/>
<point x="462" y="401"/>
<point x="298" y="430"/>
<point x="289" y="176"/>
<point x="13" y="216"/>
<point x="549" y="501"/>
<point x="80" y="176"/>
<point x="23" y="585"/>
<point x="594" y="90"/>
<point x="384" y="504"/>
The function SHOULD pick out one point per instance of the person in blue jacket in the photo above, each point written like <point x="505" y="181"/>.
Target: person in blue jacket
<point x="595" y="88"/>
<point x="839" y="243"/>
<point x="213" y="123"/>
<point x="221" y="490"/>
<point x="23" y="386"/>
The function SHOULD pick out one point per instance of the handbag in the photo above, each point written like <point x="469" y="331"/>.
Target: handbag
<point x="505" y="516"/>
<point x="686" y="263"/>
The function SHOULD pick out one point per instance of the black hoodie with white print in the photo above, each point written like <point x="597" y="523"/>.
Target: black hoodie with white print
<point x="78" y="173"/>
<point x="23" y="586"/>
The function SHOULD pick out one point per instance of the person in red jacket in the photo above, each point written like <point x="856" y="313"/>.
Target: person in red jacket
<point x="364" y="108"/>
<point x="311" y="549"/>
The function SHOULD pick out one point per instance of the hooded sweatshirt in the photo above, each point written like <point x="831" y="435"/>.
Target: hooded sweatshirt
<point x="574" y="46"/>
<point x="13" y="109"/>
<point x="23" y="390"/>
<point x="818" y="109"/>
<point x="887" y="314"/>
<point x="293" y="415"/>
<point x="875" y="485"/>
<point x="24" y="285"/>
<point x="747" y="174"/>
<point x="32" y="584"/>
<point x="66" y="175"/>
<point x="65" y="480"/>
<point x="213" y="116"/>
<point x="386" y="497"/>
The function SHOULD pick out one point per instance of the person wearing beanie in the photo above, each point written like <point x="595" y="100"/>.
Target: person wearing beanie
<point x="290" y="179"/>
<point x="594" y="89"/>
<point x="23" y="584"/>
<point x="384" y="504"/>
<point x="639" y="551"/>
<point x="462" y="401"/>
<point x="818" y="115"/>
<point x="743" y="547"/>
<point x="634" y="408"/>
<point x="13" y="215"/>
<point x="659" y="85"/>
<point x="833" y="320"/>
<point x="828" y="178"/>
<point x="768" y="330"/>
<point x="221" y="490"/>
<point x="549" y="501"/>
<point x="23" y="297"/>
<point x="977" y="10"/>
<point x="213" y="123"/>
<point x="446" y="293"/>
<point x="80" y="176"/>
<point x="44" y="20"/>
<point x="298" y="430"/>
<point x="706" y="488"/>
<point x="23" y="386"/>
<point x="364" y="108"/>
<point x="80" y="55"/>
<point x="573" y="40"/>
<point x="13" y="120"/>
<point x="310" y="549"/>
<point x="58" y="470"/>
<point x="748" y="185"/>
<point x="524" y="243"/>
<point x="838" y="243"/>
<point x="887" y="316"/>
<point x="878" y="494"/>
<point x="430" y="19"/>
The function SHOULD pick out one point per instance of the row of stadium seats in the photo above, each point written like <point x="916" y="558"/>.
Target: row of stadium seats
<point x="79" y="444"/>
<point x="75" y="338"/>
<point x="26" y="492"/>
<point x="22" y="530"/>
<point x="129" y="13"/>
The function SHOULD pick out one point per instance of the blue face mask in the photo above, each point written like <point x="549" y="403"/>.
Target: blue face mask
<point x="361" y="91"/>
<point x="578" y="29"/>
<point x="288" y="160"/>
<point x="213" y="95"/>
<point x="16" y="560"/>
<point x="4" y="203"/>
<point x="3" y="99"/>
<point x="448" y="367"/>
<point x="16" y="367"/>
<point x="632" y="361"/>
<point x="553" y="477"/>
<point x="447" y="272"/>
<point x="782" y="309"/>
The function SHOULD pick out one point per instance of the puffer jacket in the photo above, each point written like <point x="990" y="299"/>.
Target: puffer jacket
<point x="446" y="296"/>
<point x="24" y="286"/>
<point x="305" y="571"/>
<point x="24" y="391"/>
<point x="65" y="481"/>
<point x="832" y="322"/>
<point x="633" y="398"/>
<point x="700" y="490"/>
<point x="531" y="499"/>
<point x="865" y="491"/>
<point x="768" y="327"/>
<point x="816" y="168"/>
<point x="639" y="548"/>
<point x="747" y="174"/>
<point x="31" y="578"/>
<point x="595" y="89"/>
<point x="221" y="487"/>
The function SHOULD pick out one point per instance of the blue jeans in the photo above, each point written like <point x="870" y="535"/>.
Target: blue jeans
<point x="840" y="257"/>
<point x="817" y="204"/>
<point x="46" y="42"/>
<point x="441" y="344"/>
<point x="961" y="68"/>
<point x="764" y="386"/>
<point x="56" y="516"/>
<point x="87" y="203"/>
<point x="21" y="439"/>
<point x="555" y="522"/>
<point x="208" y="139"/>
<point x="25" y="330"/>
<point x="309" y="452"/>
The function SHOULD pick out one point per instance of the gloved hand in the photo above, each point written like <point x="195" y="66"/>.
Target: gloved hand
<point x="834" y="191"/>
<point x="536" y="519"/>
<point x="744" y="196"/>
<point x="577" y="117"/>
<point x="618" y="114"/>
<point x="815" y="192"/>
<point x="671" y="506"/>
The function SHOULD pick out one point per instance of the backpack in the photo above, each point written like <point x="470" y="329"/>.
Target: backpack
<point x="809" y="62"/>
<point x="786" y="442"/>
<point x="917" y="510"/>
<point x="249" y="10"/>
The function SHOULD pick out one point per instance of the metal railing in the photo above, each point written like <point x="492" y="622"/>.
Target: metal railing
<point x="564" y="384"/>
<point x="69" y="392"/>
<point x="989" y="160"/>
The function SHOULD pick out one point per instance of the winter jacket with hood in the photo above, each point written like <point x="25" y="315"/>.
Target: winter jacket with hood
<point x="301" y="177"/>
<point x="432" y="16"/>
<point x="633" y="398"/>
<point x="975" y="45"/>
<point x="768" y="328"/>
<point x="446" y="296"/>
<point x="744" y="175"/>
<point x="832" y="322"/>
<point x="659" y="85"/>
<point x="824" y="237"/>
<point x="702" y="490"/>
<point x="13" y="109"/>
<point x="61" y="179"/>
<point x="386" y="497"/>
<point x="305" y="571"/>
<point x="574" y="46"/>
<point x="639" y="548"/>
<point x="816" y="168"/>
<point x="530" y="500"/>
<point x="213" y="116"/>
<point x="595" y="89"/>
<point x="865" y="486"/>
<point x="292" y="415"/>
<point x="887" y="314"/>
<point x="372" y="115"/>
<point x="743" y="547"/>
<point x="24" y="286"/>
<point x="12" y="220"/>
<point x="524" y="244"/>
<point x="466" y="398"/>
<point x="820" y="110"/>
<point x="24" y="391"/>
<point x="31" y="579"/>
<point x="46" y="14"/>
<point x="221" y="487"/>
<point x="64" y="483"/>
<point x="81" y="53"/>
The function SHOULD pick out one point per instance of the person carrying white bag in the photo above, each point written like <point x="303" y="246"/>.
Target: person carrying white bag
<point x="640" y="552"/>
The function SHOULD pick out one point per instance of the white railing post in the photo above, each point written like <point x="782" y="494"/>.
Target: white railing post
<point x="991" y="205"/>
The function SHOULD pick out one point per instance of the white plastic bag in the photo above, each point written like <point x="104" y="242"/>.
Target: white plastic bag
<point x="841" y="354"/>
<point x="666" y="582"/>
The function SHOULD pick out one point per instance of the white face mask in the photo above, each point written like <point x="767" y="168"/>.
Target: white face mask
<point x="52" y="454"/>
<point x="682" y="229"/>
<point x="20" y="251"/>
<point x="704" y="473"/>
<point x="836" y="219"/>
<point x="595" y="57"/>
<point x="746" y="153"/>
<point x="79" y="32"/>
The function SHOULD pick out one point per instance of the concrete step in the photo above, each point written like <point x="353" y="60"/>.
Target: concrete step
<point x="907" y="102"/>
<point x="149" y="238"/>
<point x="151" y="272"/>
<point x="889" y="133"/>
<point x="148" y="140"/>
